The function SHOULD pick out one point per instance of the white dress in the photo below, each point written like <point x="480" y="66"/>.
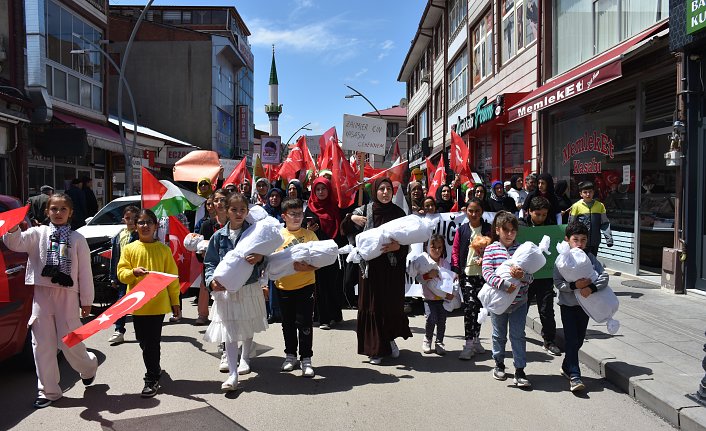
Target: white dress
<point x="237" y="316"/>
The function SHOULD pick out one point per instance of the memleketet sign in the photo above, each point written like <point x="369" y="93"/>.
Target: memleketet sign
<point x="364" y="134"/>
<point x="695" y="15"/>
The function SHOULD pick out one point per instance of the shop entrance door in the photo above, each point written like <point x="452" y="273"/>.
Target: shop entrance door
<point x="656" y="200"/>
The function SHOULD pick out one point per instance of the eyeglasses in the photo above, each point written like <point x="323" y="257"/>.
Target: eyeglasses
<point x="145" y="223"/>
<point x="294" y="215"/>
<point x="203" y="184"/>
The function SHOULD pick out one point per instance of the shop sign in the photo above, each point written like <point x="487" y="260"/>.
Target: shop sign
<point x="566" y="90"/>
<point x="483" y="114"/>
<point x="174" y="154"/>
<point x="589" y="142"/>
<point x="695" y="15"/>
<point x="242" y="124"/>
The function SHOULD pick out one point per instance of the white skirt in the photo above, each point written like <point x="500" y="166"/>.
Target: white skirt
<point x="237" y="316"/>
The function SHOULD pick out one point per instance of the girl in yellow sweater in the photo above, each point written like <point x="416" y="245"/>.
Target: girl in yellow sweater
<point x="137" y="260"/>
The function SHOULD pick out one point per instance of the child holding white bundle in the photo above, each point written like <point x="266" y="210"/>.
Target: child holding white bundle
<point x="236" y="316"/>
<point x="573" y="318"/>
<point x="431" y="281"/>
<point x="504" y="232"/>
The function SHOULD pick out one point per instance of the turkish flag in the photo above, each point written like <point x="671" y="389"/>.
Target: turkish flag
<point x="145" y="290"/>
<point x="189" y="267"/>
<point x="396" y="153"/>
<point x="152" y="190"/>
<point x="439" y="178"/>
<point x="12" y="218"/>
<point x="325" y="141"/>
<point x="459" y="155"/>
<point x="296" y="160"/>
<point x="394" y="173"/>
<point x="239" y="174"/>
<point x="344" y="179"/>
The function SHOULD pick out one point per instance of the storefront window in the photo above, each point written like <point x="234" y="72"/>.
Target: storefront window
<point x="595" y="142"/>
<point x="513" y="153"/>
<point x="483" y="153"/>
<point x="64" y="175"/>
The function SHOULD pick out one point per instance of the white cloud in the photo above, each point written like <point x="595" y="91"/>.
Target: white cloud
<point x="319" y="37"/>
<point x="374" y="81"/>
<point x="387" y="45"/>
<point x="357" y="75"/>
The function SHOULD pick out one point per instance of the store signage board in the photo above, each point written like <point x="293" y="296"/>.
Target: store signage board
<point x="270" y="151"/>
<point x="567" y="90"/>
<point x="593" y="141"/>
<point x="364" y="134"/>
<point x="174" y="154"/>
<point x="484" y="113"/>
<point x="695" y="15"/>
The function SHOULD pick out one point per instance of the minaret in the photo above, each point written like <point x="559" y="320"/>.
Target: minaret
<point x="274" y="108"/>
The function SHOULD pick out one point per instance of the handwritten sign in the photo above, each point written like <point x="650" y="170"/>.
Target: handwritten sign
<point x="364" y="134"/>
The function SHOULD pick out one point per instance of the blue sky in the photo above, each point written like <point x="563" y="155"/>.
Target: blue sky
<point x="322" y="45"/>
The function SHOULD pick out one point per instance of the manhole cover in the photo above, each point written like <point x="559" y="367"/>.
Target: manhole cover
<point x="639" y="284"/>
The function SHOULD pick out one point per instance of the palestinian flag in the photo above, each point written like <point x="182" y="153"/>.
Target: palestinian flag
<point x="165" y="198"/>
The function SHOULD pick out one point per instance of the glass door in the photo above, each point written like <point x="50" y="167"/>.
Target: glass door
<point x="657" y="193"/>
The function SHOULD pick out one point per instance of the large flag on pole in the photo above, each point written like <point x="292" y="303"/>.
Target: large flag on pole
<point x="189" y="267"/>
<point x="239" y="174"/>
<point x="165" y="198"/>
<point x="459" y="155"/>
<point x="343" y="179"/>
<point x="298" y="159"/>
<point x="325" y="141"/>
<point x="438" y="179"/>
<point x="146" y="289"/>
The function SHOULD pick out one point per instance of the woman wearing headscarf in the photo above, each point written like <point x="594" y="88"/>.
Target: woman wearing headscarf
<point x="381" y="285"/>
<point x="262" y="187"/>
<point x="517" y="192"/>
<point x="323" y="217"/>
<point x="545" y="189"/>
<point x="444" y="199"/>
<point x="415" y="195"/>
<point x="273" y="203"/>
<point x="498" y="200"/>
<point x="296" y="190"/>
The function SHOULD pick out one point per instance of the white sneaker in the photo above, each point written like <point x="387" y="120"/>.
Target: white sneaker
<point x="307" y="369"/>
<point x="116" y="338"/>
<point x="223" y="366"/>
<point x="426" y="346"/>
<point x="375" y="360"/>
<point x="230" y="384"/>
<point x="395" y="350"/>
<point x="290" y="363"/>
<point x="243" y="367"/>
<point x="440" y="348"/>
<point x="477" y="347"/>
<point x="467" y="353"/>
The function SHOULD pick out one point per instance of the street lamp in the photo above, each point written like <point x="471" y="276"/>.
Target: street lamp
<point x="304" y="127"/>
<point x="403" y="132"/>
<point x="358" y="93"/>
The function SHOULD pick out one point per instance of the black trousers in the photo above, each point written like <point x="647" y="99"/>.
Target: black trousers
<point x="593" y="249"/>
<point x="543" y="290"/>
<point x="297" y="308"/>
<point x="148" y="331"/>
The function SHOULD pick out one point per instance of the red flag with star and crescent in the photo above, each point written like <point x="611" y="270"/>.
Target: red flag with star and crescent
<point x="330" y="136"/>
<point x="439" y="178"/>
<point x="239" y="174"/>
<point x="8" y="220"/>
<point x="189" y="267"/>
<point x="343" y="178"/>
<point x="143" y="292"/>
<point x="459" y="155"/>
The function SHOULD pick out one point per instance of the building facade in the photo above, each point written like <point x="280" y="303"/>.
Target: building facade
<point x="397" y="128"/>
<point x="193" y="65"/>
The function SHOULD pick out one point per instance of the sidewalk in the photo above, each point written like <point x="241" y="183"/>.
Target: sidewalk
<point x="656" y="355"/>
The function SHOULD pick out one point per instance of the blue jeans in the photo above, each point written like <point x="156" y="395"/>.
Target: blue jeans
<point x="436" y="317"/>
<point x="120" y="323"/>
<point x="575" y="322"/>
<point x="516" y="321"/>
<point x="273" y="303"/>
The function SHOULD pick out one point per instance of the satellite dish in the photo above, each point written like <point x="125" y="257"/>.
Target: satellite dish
<point x="403" y="102"/>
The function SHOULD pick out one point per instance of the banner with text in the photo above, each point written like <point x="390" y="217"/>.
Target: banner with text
<point x="365" y="134"/>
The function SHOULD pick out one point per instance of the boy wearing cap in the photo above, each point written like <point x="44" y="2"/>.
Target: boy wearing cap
<point x="591" y="213"/>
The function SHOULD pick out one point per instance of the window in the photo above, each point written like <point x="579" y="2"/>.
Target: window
<point x="438" y="103"/>
<point x="422" y="125"/>
<point x="518" y="26"/>
<point x="482" y="39"/>
<point x="393" y="129"/>
<point x="422" y="71"/>
<point x="583" y="29"/>
<point x="438" y="40"/>
<point x="457" y="15"/>
<point x="73" y="78"/>
<point x="458" y="79"/>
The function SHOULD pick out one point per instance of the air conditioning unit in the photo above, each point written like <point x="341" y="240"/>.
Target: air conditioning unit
<point x="425" y="77"/>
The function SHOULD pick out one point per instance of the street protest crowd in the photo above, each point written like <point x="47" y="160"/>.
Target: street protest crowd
<point x="271" y="255"/>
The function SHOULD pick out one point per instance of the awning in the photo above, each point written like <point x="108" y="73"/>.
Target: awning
<point x="600" y="70"/>
<point x="99" y="136"/>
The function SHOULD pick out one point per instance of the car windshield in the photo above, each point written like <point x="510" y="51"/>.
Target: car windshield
<point x="112" y="213"/>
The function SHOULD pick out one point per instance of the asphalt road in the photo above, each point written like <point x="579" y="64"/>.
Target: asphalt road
<point x="413" y="392"/>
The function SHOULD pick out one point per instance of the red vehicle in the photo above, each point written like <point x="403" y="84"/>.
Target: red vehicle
<point x="14" y="315"/>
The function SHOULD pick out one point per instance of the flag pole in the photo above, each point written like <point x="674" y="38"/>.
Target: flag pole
<point x="361" y="169"/>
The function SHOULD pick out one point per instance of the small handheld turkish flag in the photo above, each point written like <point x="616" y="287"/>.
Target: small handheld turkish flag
<point x="188" y="265"/>
<point x="12" y="218"/>
<point x="146" y="289"/>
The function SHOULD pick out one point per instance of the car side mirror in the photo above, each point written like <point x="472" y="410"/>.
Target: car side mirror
<point x="88" y="220"/>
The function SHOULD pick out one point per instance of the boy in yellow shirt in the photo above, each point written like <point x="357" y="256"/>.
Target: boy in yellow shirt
<point x="296" y="293"/>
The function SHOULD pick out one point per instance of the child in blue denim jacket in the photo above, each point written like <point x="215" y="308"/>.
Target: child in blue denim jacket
<point x="123" y="238"/>
<point x="235" y="316"/>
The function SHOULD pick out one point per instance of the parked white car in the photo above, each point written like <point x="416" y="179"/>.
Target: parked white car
<point x="108" y="221"/>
